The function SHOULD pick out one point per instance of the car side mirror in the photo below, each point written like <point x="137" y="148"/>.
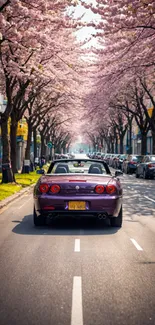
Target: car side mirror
<point x="118" y="173"/>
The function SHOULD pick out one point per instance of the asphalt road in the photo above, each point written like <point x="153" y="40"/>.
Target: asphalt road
<point x="80" y="272"/>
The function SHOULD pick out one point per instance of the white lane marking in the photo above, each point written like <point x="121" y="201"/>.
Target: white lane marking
<point x="77" y="312"/>
<point x="24" y="203"/>
<point x="77" y="245"/>
<point x="136" y="244"/>
<point x="148" y="198"/>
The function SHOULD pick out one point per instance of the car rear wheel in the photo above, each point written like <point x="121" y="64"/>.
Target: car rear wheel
<point x="117" y="221"/>
<point x="38" y="221"/>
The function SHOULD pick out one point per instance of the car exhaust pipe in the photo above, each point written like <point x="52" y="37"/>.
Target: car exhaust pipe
<point x="102" y="216"/>
<point x="53" y="216"/>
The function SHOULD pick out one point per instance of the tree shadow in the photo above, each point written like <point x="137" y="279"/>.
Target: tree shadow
<point x="65" y="227"/>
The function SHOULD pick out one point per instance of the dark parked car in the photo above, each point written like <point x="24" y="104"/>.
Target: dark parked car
<point x="122" y="157"/>
<point x="146" y="168"/>
<point x="78" y="187"/>
<point x="130" y="163"/>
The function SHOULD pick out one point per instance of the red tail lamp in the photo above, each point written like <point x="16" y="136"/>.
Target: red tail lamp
<point x="55" y="189"/>
<point x="151" y="165"/>
<point x="43" y="188"/>
<point x="99" y="189"/>
<point x="110" y="189"/>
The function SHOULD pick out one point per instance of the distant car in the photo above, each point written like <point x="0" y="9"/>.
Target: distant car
<point x="146" y="168"/>
<point x="78" y="187"/>
<point x="130" y="163"/>
<point x="98" y="155"/>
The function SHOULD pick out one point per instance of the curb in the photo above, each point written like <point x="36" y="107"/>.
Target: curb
<point x="15" y="196"/>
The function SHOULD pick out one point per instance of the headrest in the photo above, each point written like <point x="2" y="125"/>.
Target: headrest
<point x="95" y="169"/>
<point x="60" y="170"/>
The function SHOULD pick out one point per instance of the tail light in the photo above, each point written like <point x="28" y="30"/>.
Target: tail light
<point x="151" y="165"/>
<point x="110" y="189"/>
<point x="43" y="188"/>
<point x="133" y="162"/>
<point x="55" y="189"/>
<point x="99" y="189"/>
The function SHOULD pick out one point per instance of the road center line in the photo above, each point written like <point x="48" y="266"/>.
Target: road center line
<point x="77" y="245"/>
<point x="77" y="312"/>
<point x="136" y="244"/>
<point x="148" y="198"/>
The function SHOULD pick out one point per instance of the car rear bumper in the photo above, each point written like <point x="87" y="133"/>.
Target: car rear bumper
<point x="109" y="206"/>
<point x="151" y="172"/>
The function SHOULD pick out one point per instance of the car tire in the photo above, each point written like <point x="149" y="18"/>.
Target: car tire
<point x="145" y="175"/>
<point x="117" y="221"/>
<point x="127" y="170"/>
<point x="137" y="175"/>
<point x="38" y="221"/>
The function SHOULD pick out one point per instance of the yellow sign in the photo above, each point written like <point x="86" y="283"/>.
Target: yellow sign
<point x="150" y="111"/>
<point x="22" y="129"/>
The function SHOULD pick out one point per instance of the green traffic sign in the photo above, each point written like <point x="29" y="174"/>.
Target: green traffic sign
<point x="50" y="145"/>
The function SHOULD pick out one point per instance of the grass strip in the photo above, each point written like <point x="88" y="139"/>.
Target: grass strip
<point x="22" y="180"/>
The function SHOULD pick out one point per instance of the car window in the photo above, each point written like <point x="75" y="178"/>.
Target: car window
<point x="152" y="159"/>
<point x="137" y="158"/>
<point x="78" y="167"/>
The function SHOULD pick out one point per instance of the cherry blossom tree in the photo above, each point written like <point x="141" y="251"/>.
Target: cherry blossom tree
<point x="31" y="47"/>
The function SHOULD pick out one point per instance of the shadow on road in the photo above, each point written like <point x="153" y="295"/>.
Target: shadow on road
<point x="138" y="205"/>
<point x="64" y="227"/>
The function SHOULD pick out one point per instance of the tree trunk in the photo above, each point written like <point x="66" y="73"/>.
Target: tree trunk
<point x="43" y="147"/>
<point x="28" y="145"/>
<point x="7" y="174"/>
<point x="130" y="139"/>
<point x="13" y="133"/>
<point x="35" y="143"/>
<point x="112" y="146"/>
<point x="108" y="146"/>
<point x="153" y="143"/>
<point x="26" y="165"/>
<point x="143" y="143"/>
<point x="121" y="143"/>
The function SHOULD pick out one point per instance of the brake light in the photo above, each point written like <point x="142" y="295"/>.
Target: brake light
<point x="99" y="189"/>
<point x="55" y="189"/>
<point x="110" y="189"/>
<point x="49" y="208"/>
<point x="151" y="165"/>
<point x="43" y="188"/>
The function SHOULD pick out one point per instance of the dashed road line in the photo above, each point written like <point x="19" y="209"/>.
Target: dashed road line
<point x="77" y="245"/>
<point x="148" y="198"/>
<point x="136" y="244"/>
<point x="77" y="311"/>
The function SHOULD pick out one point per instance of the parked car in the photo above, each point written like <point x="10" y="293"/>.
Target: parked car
<point x="107" y="157"/>
<point x="146" y="168"/>
<point x="130" y="163"/>
<point x="115" y="160"/>
<point x="98" y="155"/>
<point x="122" y="157"/>
<point x="78" y="187"/>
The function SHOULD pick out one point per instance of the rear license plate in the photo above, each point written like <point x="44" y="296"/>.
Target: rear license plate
<point x="77" y="205"/>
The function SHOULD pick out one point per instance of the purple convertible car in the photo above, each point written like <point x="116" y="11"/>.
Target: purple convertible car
<point x="77" y="188"/>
